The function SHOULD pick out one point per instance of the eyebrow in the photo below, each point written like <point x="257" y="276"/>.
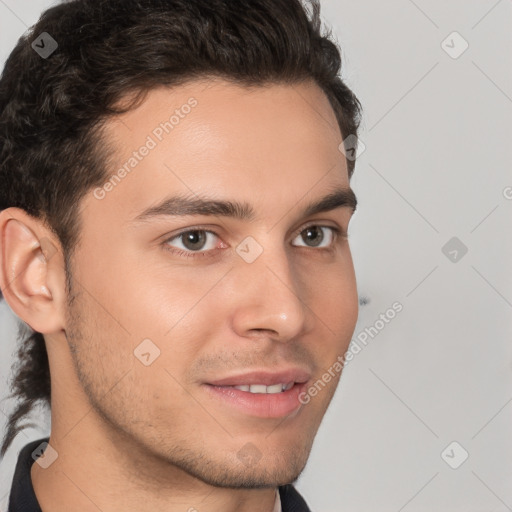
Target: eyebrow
<point x="183" y="206"/>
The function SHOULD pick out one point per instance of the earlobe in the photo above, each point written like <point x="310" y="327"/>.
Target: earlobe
<point x="29" y="271"/>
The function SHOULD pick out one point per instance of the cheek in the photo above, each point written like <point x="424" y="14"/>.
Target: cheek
<point x="169" y="302"/>
<point x="335" y="303"/>
<point x="146" y="293"/>
<point x="99" y="345"/>
<point x="178" y="309"/>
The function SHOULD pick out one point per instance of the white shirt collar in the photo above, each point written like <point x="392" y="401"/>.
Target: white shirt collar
<point x="277" y="504"/>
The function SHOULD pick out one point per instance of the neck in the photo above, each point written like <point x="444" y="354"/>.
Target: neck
<point x="100" y="468"/>
<point x="90" y="474"/>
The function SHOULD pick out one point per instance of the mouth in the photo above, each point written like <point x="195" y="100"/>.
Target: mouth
<point x="261" y="388"/>
<point x="261" y="394"/>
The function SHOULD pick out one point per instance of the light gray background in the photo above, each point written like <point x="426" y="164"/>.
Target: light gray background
<point x="436" y="165"/>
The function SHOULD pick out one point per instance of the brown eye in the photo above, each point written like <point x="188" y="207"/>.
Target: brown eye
<point x="313" y="236"/>
<point x="194" y="240"/>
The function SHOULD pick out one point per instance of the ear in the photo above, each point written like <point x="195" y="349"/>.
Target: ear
<point x="32" y="276"/>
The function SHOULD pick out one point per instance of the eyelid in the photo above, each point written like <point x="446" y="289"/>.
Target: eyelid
<point x="338" y="232"/>
<point x="319" y="223"/>
<point x="206" y="229"/>
<point x="179" y="252"/>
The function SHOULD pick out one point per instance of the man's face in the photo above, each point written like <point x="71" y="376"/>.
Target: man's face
<point x="157" y="318"/>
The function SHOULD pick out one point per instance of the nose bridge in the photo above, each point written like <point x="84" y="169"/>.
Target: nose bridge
<point x="272" y="295"/>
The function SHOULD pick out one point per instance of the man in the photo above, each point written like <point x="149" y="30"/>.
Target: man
<point x="175" y="204"/>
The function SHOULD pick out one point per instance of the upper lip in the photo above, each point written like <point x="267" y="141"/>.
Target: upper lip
<point x="266" y="377"/>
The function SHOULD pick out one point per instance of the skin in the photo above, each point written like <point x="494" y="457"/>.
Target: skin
<point x="134" y="437"/>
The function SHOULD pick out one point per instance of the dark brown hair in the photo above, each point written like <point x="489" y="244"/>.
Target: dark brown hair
<point x="52" y="107"/>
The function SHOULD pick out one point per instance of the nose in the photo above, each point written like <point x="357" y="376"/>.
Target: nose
<point x="269" y="299"/>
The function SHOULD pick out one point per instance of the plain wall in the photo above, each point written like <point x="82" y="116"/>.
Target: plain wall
<point x="434" y="178"/>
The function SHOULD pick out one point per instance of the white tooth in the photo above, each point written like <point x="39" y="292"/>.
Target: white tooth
<point x="261" y="388"/>
<point x="258" y="388"/>
<point x="276" y="388"/>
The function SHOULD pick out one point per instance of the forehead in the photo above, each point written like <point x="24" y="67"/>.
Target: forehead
<point x="272" y="143"/>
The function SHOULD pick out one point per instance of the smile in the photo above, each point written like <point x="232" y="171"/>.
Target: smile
<point x="259" y="400"/>
<point x="261" y="388"/>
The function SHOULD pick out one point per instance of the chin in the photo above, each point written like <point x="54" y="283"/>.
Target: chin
<point x="244" y="472"/>
<point x="251" y="479"/>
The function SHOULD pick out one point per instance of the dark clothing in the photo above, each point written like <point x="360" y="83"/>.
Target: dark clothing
<point x="23" y="498"/>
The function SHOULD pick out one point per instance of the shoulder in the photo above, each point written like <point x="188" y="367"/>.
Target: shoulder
<point x="291" y="500"/>
<point x="22" y="497"/>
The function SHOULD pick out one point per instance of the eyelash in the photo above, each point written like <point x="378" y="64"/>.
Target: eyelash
<point x="337" y="235"/>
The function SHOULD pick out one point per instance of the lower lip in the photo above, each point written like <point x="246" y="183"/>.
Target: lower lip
<point x="262" y="405"/>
